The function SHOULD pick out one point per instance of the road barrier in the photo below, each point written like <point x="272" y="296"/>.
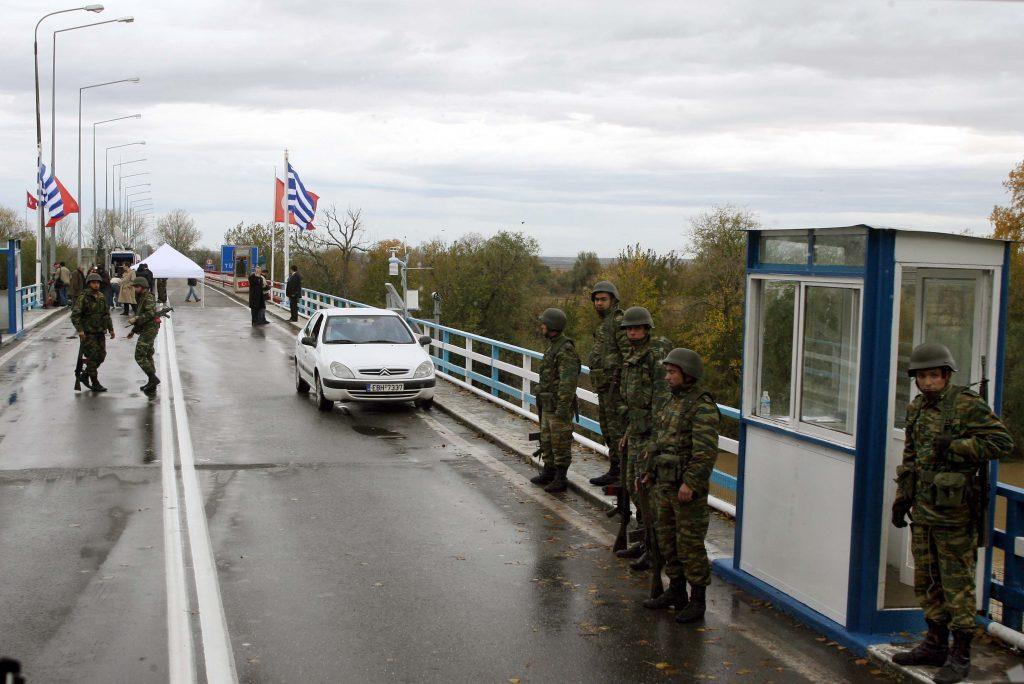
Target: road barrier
<point x="31" y="296"/>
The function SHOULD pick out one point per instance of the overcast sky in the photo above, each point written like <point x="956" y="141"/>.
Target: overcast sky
<point x="589" y="125"/>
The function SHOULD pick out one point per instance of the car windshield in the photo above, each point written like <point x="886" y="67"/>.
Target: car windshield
<point x="366" y="330"/>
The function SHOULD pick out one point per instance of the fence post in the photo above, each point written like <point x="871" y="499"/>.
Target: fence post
<point x="445" y="338"/>
<point x="494" y="369"/>
<point x="469" y="359"/>
<point x="527" y="364"/>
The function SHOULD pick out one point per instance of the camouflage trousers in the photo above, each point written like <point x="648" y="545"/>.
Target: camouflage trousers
<point x="945" y="559"/>
<point x="631" y="471"/>
<point x="94" y="350"/>
<point x="680" y="529"/>
<point x="556" y="440"/>
<point x="611" y="424"/>
<point x="144" y="353"/>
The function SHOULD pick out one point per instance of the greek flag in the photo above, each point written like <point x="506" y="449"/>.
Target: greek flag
<point x="52" y="199"/>
<point x="300" y="202"/>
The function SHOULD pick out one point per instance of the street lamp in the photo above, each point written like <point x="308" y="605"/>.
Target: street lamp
<point x="120" y="189"/>
<point x="79" y="188"/>
<point x="119" y="118"/>
<point x="39" y="136"/>
<point x="113" y="168"/>
<point x="53" y="115"/>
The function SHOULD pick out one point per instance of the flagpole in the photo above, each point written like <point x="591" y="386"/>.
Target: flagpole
<point x="273" y="231"/>
<point x="286" y="205"/>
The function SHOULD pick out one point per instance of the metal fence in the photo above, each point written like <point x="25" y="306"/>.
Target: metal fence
<point x="31" y="296"/>
<point x="1010" y="591"/>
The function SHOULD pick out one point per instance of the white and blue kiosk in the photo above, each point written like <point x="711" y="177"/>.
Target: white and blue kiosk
<point x="832" y="315"/>
<point x="11" y="314"/>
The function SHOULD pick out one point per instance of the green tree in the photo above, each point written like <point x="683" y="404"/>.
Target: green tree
<point x="584" y="272"/>
<point x="178" y="229"/>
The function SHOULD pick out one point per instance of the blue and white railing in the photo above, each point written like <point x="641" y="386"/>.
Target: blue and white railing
<point x="31" y="296"/>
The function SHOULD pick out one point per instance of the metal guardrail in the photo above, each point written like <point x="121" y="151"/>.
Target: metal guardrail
<point x="31" y="297"/>
<point x="1010" y="591"/>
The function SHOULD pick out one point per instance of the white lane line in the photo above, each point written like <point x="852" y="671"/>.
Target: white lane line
<point x="793" y="659"/>
<point x="219" y="657"/>
<point x="180" y="650"/>
<point x="27" y="344"/>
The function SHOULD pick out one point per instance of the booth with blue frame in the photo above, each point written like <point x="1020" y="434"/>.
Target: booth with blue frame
<point x="831" y="317"/>
<point x="11" y="314"/>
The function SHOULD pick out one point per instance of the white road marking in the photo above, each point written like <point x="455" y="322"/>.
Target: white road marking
<point x="229" y="297"/>
<point x="24" y="346"/>
<point x="219" y="657"/>
<point x="794" y="660"/>
<point x="180" y="650"/>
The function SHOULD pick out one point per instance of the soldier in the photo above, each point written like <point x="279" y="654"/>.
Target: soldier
<point x="642" y="393"/>
<point x="682" y="453"/>
<point x="91" y="319"/>
<point x="146" y="325"/>
<point x="556" y="401"/>
<point x="951" y="434"/>
<point x="610" y="343"/>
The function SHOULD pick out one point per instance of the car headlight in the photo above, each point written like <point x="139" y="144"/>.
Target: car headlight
<point x="340" y="370"/>
<point x="424" y="370"/>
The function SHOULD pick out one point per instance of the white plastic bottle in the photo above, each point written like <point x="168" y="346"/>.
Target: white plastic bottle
<point x="766" y="405"/>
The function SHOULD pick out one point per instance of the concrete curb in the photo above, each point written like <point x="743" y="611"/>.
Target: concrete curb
<point x="11" y="340"/>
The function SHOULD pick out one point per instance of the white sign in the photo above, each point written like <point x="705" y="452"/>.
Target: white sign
<point x="412" y="300"/>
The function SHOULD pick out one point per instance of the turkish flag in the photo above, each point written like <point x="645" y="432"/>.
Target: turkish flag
<point x="70" y="205"/>
<point x="31" y="202"/>
<point x="279" y="197"/>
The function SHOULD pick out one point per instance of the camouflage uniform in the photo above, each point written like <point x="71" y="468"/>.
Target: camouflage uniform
<point x="944" y="493"/>
<point x="146" y="327"/>
<point x="556" y="392"/>
<point x="643" y="393"/>
<point x="91" y="316"/>
<point x="684" y="448"/>
<point x="610" y="345"/>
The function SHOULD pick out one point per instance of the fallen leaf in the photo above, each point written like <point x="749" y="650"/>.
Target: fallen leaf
<point x="860" y="661"/>
<point x="514" y="680"/>
<point x="378" y="584"/>
<point x="662" y="666"/>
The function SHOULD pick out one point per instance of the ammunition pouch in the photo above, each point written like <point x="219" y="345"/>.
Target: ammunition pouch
<point x="665" y="471"/>
<point x="945" y="489"/>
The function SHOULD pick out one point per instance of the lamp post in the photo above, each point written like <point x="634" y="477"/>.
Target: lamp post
<point x="95" y="222"/>
<point x="79" y="188"/>
<point x="53" y="117"/>
<point x="396" y="265"/>
<point x="40" y="235"/>
<point x="114" y="169"/>
<point x="120" y="189"/>
<point x="106" y="167"/>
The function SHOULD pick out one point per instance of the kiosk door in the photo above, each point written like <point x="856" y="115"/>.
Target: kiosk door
<point x="953" y="307"/>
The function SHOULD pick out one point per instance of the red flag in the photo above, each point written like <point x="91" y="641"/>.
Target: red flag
<point x="279" y="197"/>
<point x="31" y="202"/>
<point x="70" y="205"/>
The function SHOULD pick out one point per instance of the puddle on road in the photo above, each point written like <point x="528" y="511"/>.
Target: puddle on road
<point x="382" y="433"/>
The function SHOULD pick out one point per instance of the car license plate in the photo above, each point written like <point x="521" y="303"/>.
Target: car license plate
<point x="388" y="387"/>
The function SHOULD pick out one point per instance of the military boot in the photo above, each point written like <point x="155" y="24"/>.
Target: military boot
<point x="94" y="383"/>
<point x="696" y="608"/>
<point x="674" y="596"/>
<point x="561" y="482"/>
<point x="151" y="385"/>
<point x="545" y="476"/>
<point x="958" y="664"/>
<point x="933" y="651"/>
<point x="641" y="564"/>
<point x="608" y="478"/>
<point x="81" y="379"/>
<point x="634" y="551"/>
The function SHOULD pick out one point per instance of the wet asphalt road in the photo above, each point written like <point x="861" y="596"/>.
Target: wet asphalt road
<point x="362" y="545"/>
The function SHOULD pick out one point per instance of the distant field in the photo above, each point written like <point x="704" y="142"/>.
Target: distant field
<point x="559" y="263"/>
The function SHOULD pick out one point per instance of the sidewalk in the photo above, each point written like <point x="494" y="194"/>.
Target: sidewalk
<point x="34" y="318"/>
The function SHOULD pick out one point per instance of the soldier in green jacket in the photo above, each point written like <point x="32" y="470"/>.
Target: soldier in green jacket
<point x="680" y="458"/>
<point x="92" y="322"/>
<point x="146" y="325"/>
<point x="556" y="400"/>
<point x="642" y="393"/>
<point x="951" y="435"/>
<point x="610" y="344"/>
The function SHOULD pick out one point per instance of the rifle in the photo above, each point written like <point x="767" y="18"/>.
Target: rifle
<point x="156" y="316"/>
<point x="654" y="553"/>
<point x="981" y="519"/>
<point x="78" y="367"/>
<point x="535" y="436"/>
<point x="622" y="508"/>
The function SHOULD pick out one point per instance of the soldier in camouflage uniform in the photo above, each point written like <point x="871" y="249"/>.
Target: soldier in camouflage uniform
<point x="610" y="343"/>
<point x="642" y="393"/>
<point x="91" y="319"/>
<point x="556" y="398"/>
<point x="680" y="457"/>
<point x="146" y="325"/>
<point x="951" y="433"/>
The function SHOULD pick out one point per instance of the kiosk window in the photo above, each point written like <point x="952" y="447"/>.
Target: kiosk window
<point x="784" y="249"/>
<point x="840" y="250"/>
<point x="831" y="339"/>
<point x="778" y="308"/>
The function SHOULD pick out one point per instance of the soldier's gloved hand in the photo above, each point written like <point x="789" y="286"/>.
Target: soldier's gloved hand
<point x="940" y="445"/>
<point x="81" y="335"/>
<point x="900" y="510"/>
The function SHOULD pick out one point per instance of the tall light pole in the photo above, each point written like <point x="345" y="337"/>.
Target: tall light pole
<point x="40" y="235"/>
<point x="94" y="208"/>
<point x="121" y="179"/>
<point x="78" y="190"/>
<point x="107" y="167"/>
<point x="53" y="116"/>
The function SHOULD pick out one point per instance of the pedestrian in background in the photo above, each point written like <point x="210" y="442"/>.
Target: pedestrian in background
<point x="126" y="296"/>
<point x="77" y="283"/>
<point x="293" y="290"/>
<point x="64" y="277"/>
<point x="161" y="290"/>
<point x="257" y="299"/>
<point x="106" y="287"/>
<point x="143" y="272"/>
<point x="192" y="282"/>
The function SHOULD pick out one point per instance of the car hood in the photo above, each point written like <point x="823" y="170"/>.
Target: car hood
<point x="357" y="356"/>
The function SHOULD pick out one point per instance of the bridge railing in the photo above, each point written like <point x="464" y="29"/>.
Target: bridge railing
<point x="31" y="296"/>
<point x="1009" y="590"/>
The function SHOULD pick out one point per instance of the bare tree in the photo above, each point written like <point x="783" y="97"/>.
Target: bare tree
<point x="178" y="230"/>
<point x="333" y="245"/>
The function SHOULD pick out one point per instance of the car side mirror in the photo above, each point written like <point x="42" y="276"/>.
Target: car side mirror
<point x="425" y="340"/>
<point x="309" y="341"/>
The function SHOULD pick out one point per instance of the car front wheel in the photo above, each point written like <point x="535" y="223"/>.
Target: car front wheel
<point x="301" y="386"/>
<point x="425" y="404"/>
<point x="322" y="403"/>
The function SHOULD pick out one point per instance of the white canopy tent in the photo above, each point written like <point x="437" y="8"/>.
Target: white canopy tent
<point x="167" y="262"/>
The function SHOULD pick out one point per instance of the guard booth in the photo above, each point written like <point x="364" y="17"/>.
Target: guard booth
<point x="832" y="315"/>
<point x="239" y="261"/>
<point x="11" y="315"/>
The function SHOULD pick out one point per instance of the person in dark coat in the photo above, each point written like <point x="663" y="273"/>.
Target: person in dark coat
<point x="257" y="298"/>
<point x="293" y="290"/>
<point x="105" y="286"/>
<point x="143" y="272"/>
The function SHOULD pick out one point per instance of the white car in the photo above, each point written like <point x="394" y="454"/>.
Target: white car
<point x="363" y="354"/>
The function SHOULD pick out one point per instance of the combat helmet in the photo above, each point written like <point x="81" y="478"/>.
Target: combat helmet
<point x="141" y="282"/>
<point x="93" y="278"/>
<point x="605" y="286"/>
<point x="636" y="315"/>
<point x="555" y="319"/>
<point x="687" y="360"/>
<point x="930" y="355"/>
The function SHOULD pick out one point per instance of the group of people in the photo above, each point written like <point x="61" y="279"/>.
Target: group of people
<point x="259" y="293"/>
<point x="661" y="427"/>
